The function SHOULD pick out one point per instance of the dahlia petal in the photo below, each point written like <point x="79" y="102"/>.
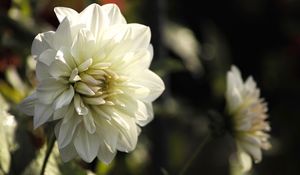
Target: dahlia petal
<point x="85" y="65"/>
<point x="114" y="14"/>
<point x="86" y="144"/>
<point x="27" y="105"/>
<point x="49" y="89"/>
<point x="105" y="154"/>
<point x="47" y="57"/>
<point x="135" y="89"/>
<point x="80" y="108"/>
<point x="42" y="71"/>
<point x="251" y="139"/>
<point x="151" y="51"/>
<point x="62" y="12"/>
<point x="237" y="80"/>
<point x="153" y="82"/>
<point x="131" y="38"/>
<point x="120" y="119"/>
<point x="89" y="123"/>
<point x="94" y="18"/>
<point x="59" y="69"/>
<point x="83" y="40"/>
<point x="140" y="36"/>
<point x="42" y="42"/>
<point x="94" y="100"/>
<point x="111" y="139"/>
<point x="74" y="76"/>
<point x="60" y="113"/>
<point x="102" y="113"/>
<point x="66" y="57"/>
<point x="134" y="63"/>
<point x="109" y="134"/>
<point x="51" y="84"/>
<point x="67" y="129"/>
<point x="84" y="89"/>
<point x="42" y="114"/>
<point x="67" y="153"/>
<point x="144" y="114"/>
<point x="88" y="79"/>
<point x="64" y="99"/>
<point x="253" y="150"/>
<point x="245" y="161"/>
<point x="250" y="86"/>
<point x="128" y="136"/>
<point x="243" y="124"/>
<point x="127" y="102"/>
<point x="235" y="98"/>
<point x="62" y="36"/>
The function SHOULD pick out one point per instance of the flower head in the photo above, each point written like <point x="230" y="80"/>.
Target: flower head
<point x="94" y="78"/>
<point x="248" y="114"/>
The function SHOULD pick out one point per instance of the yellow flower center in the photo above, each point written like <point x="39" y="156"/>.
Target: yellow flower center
<point x="94" y="84"/>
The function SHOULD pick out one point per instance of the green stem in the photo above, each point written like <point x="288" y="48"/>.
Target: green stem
<point x="195" y="154"/>
<point x="48" y="153"/>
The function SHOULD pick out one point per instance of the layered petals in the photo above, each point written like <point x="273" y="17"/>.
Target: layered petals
<point x="248" y="117"/>
<point x="94" y="82"/>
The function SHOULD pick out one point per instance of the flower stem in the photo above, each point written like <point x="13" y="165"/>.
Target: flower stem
<point x="195" y="154"/>
<point x="50" y="146"/>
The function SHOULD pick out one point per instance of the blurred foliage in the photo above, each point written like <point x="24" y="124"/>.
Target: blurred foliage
<point x="195" y="42"/>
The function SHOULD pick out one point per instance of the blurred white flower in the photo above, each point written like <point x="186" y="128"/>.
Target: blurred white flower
<point x="7" y="133"/>
<point x="248" y="114"/>
<point x="94" y="77"/>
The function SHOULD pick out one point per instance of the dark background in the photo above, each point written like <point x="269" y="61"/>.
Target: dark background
<point x="261" y="37"/>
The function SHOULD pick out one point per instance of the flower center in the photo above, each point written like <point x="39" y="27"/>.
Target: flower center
<point x="94" y="84"/>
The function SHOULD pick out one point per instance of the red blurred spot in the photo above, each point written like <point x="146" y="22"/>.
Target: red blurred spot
<point x="120" y="3"/>
<point x="8" y="59"/>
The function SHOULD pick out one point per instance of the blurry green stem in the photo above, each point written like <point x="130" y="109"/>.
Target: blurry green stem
<point x="48" y="153"/>
<point x="195" y="154"/>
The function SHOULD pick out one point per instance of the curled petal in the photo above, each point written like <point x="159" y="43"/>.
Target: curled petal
<point x="153" y="82"/>
<point x="42" y="42"/>
<point x="62" y="12"/>
<point x="114" y="14"/>
<point x="144" y="113"/>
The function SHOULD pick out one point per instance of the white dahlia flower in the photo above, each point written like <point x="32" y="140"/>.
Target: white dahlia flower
<point x="248" y="118"/>
<point x="94" y="78"/>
